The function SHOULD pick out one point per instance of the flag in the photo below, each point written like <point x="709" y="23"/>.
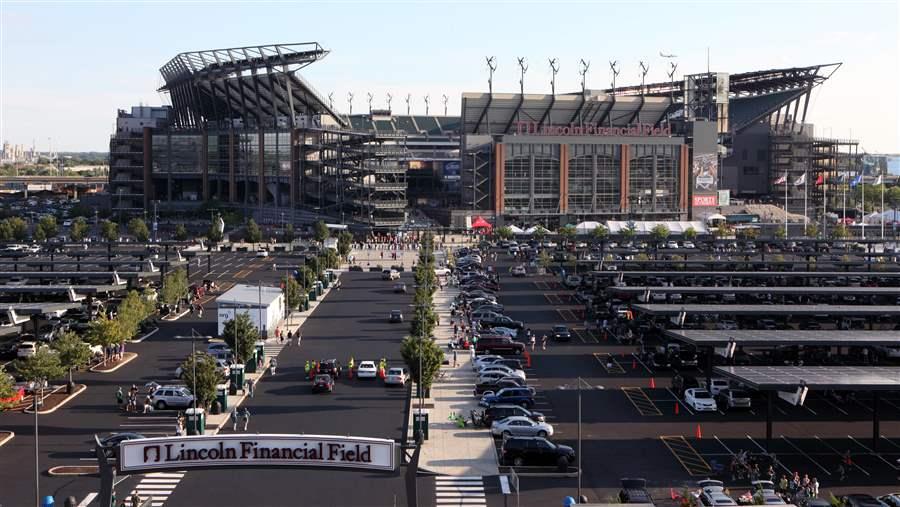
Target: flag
<point x="879" y="180"/>
<point x="820" y="180"/>
<point x="856" y="181"/>
<point x="842" y="177"/>
<point x="781" y="180"/>
<point x="800" y="181"/>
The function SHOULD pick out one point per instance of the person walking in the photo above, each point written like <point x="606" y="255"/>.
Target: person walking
<point x="234" y="419"/>
<point x="120" y="398"/>
<point x="246" y="418"/>
<point x="454" y="358"/>
<point x="532" y="340"/>
<point x="249" y="387"/>
<point x="306" y="368"/>
<point x="814" y="487"/>
<point x="290" y="337"/>
<point x="544" y="342"/>
<point x="272" y="364"/>
<point x="147" y="406"/>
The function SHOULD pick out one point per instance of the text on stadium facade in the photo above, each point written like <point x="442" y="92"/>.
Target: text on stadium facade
<point x="573" y="129"/>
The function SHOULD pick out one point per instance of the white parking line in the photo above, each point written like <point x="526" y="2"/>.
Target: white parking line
<point x="723" y="445"/>
<point x="88" y="499"/>
<point x="678" y="401"/>
<point x="763" y="449"/>
<point x="807" y="456"/>
<point x="873" y="453"/>
<point x="642" y="363"/>
<point x="841" y="455"/>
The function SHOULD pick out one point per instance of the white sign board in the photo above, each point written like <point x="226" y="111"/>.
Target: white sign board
<point x="256" y="450"/>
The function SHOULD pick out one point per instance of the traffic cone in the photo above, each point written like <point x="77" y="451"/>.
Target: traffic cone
<point x="699" y="432"/>
<point x="527" y="359"/>
<point x="350" y="373"/>
<point x="676" y="407"/>
<point x="672" y="493"/>
<point x="652" y="383"/>
<point x="634" y="364"/>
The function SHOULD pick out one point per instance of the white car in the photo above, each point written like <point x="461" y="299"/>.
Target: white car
<point x="672" y="244"/>
<point x="262" y="253"/>
<point x="688" y="244"/>
<point x="573" y="281"/>
<point x="718" y="384"/>
<point x="396" y="377"/>
<point x="519" y="270"/>
<point x="700" y="400"/>
<point x="33" y="248"/>
<point x="505" y="370"/>
<point x="505" y="331"/>
<point x="26" y="349"/>
<point x="520" y="425"/>
<point x="67" y="223"/>
<point x="513" y="250"/>
<point x="366" y="369"/>
<point x="484" y="360"/>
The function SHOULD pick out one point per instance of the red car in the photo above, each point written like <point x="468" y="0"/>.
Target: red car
<point x="323" y="383"/>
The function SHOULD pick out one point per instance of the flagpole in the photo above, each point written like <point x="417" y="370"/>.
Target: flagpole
<point x="824" y="205"/>
<point x="786" y="184"/>
<point x="862" y="189"/>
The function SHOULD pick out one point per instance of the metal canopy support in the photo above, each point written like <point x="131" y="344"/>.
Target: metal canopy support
<point x="515" y="113"/>
<point x="876" y="424"/>
<point x="769" y="408"/>
<point x="805" y="106"/>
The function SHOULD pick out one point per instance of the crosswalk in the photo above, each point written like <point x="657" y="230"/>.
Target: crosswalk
<point x="465" y="491"/>
<point x="158" y="485"/>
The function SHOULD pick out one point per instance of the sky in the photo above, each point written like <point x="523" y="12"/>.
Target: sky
<point x="66" y="67"/>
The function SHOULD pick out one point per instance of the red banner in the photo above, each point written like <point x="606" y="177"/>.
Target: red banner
<point x="706" y="200"/>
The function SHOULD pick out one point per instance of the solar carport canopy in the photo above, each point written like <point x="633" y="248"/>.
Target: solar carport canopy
<point x="786" y="378"/>
<point x="754" y="274"/>
<point x="763" y="338"/>
<point x="769" y="310"/>
<point x="811" y="291"/>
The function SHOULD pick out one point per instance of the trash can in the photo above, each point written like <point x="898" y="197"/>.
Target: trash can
<point x="312" y="296"/>
<point x="306" y="305"/>
<point x="250" y="367"/>
<point x="318" y="288"/>
<point x="420" y="423"/>
<point x="237" y="377"/>
<point x="195" y="421"/>
<point x="222" y="396"/>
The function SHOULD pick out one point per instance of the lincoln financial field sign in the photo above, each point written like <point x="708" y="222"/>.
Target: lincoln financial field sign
<point x="533" y="128"/>
<point x="257" y="450"/>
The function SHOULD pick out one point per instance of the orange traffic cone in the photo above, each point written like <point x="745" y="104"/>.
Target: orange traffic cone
<point x="699" y="432"/>
<point x="634" y="364"/>
<point x="652" y="383"/>
<point x="676" y="407"/>
<point x="527" y="359"/>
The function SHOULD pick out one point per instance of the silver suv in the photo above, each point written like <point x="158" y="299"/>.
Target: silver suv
<point x="171" y="397"/>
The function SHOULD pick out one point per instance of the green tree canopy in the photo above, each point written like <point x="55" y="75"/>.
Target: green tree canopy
<point x="567" y="232"/>
<point x="411" y="348"/>
<point x="44" y="365"/>
<point x="690" y="234"/>
<point x="105" y="332"/>
<point x="214" y="235"/>
<point x="254" y="235"/>
<point x="320" y="231"/>
<point x="7" y="386"/>
<point x="539" y="233"/>
<point x="345" y="240"/>
<point x="208" y="377"/>
<point x="780" y="232"/>
<point x="132" y="311"/>
<point x="600" y="233"/>
<point x="629" y="232"/>
<point x="48" y="225"/>
<point x="180" y="232"/>
<point x="659" y="233"/>
<point x="109" y="230"/>
<point x="138" y="228"/>
<point x="289" y="233"/>
<point x="505" y="232"/>
<point x="72" y="350"/>
<point x="293" y="294"/>
<point x="79" y="230"/>
<point x="18" y="228"/>
<point x="175" y="287"/>
<point x="307" y="278"/>
<point x="812" y="230"/>
<point x="241" y="335"/>
<point x="39" y="234"/>
<point x="840" y="231"/>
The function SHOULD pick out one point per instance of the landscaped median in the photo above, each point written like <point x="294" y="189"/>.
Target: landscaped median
<point x="6" y="436"/>
<point x="56" y="399"/>
<point x="113" y="365"/>
<point x="74" y="470"/>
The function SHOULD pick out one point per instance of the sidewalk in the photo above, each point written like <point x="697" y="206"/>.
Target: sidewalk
<point x="272" y="347"/>
<point x="450" y="450"/>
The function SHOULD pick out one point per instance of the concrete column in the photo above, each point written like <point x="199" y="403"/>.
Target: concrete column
<point x="594" y="171"/>
<point x="204" y="162"/>
<point x="232" y="185"/>
<point x="499" y="171"/>
<point x="149" y="193"/>
<point x="623" y="179"/>
<point x="292" y="180"/>
<point x="261" y="173"/>
<point x="563" y="178"/>
<point x="531" y="183"/>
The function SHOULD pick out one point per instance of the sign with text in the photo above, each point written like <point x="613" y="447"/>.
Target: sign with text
<point x="533" y="128"/>
<point x="705" y="200"/>
<point x="256" y="450"/>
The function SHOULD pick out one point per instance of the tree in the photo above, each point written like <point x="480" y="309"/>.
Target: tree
<point x="781" y="232"/>
<point x="840" y="231"/>
<point x="106" y="332"/>
<point x="175" y="287"/>
<point x="505" y="232"/>
<point x="293" y="294"/>
<point x="412" y="348"/>
<point x="539" y="233"/>
<point x="330" y="259"/>
<point x="48" y="225"/>
<point x="79" y="230"/>
<point x="180" y="232"/>
<point x="629" y="232"/>
<point x="320" y="231"/>
<point x="600" y="233"/>
<point x="812" y="230"/>
<point x="132" y="311"/>
<point x="241" y="335"/>
<point x="214" y="235"/>
<point x="7" y="388"/>
<point x="659" y="233"/>
<point x="289" y="233"/>
<point x="748" y="233"/>
<point x="315" y="266"/>
<point x="208" y="377"/>
<point x="690" y="234"/>
<point x="138" y="228"/>
<point x="345" y="242"/>
<point x="567" y="232"/>
<point x="73" y="352"/>
<point x="724" y="231"/>
<point x="306" y="277"/>
<point x="109" y="230"/>
<point x="41" y="367"/>
<point x="39" y="234"/>
<point x="544" y="259"/>
<point x="254" y="235"/>
<point x="6" y="233"/>
<point x="18" y="228"/>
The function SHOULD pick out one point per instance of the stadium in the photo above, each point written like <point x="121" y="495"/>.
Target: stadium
<point x="245" y="130"/>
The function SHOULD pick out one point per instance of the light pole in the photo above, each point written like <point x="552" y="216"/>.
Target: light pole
<point x="578" y="451"/>
<point x="37" y="468"/>
<point x="194" y="374"/>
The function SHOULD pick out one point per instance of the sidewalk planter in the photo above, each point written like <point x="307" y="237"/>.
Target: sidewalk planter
<point x="420" y="423"/>
<point x="237" y="377"/>
<point x="222" y="396"/>
<point x="250" y="367"/>
<point x="195" y="421"/>
<point x="312" y="297"/>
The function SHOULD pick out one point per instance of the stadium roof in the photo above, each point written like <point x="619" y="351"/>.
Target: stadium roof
<point x="763" y="338"/>
<point x="769" y="310"/>
<point x="250" y="84"/>
<point x="784" y="378"/>
<point x="812" y="291"/>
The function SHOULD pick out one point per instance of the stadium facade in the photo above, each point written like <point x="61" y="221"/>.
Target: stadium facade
<point x="246" y="131"/>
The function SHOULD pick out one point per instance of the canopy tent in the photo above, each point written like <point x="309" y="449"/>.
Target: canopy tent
<point x="888" y="216"/>
<point x="480" y="223"/>
<point x="534" y="228"/>
<point x="516" y="230"/>
<point x="644" y="227"/>
<point x="586" y="227"/>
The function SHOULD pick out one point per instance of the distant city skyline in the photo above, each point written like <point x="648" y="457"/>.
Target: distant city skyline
<point x="66" y="67"/>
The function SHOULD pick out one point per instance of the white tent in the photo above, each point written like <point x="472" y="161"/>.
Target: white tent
<point x="644" y="227"/>
<point x="531" y="230"/>
<point x="890" y="216"/>
<point x="515" y="230"/>
<point x="586" y="227"/>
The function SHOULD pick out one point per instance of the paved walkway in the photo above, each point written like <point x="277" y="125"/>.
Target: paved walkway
<point x="450" y="450"/>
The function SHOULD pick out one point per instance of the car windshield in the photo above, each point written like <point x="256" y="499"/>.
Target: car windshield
<point x="701" y="395"/>
<point x="560" y="329"/>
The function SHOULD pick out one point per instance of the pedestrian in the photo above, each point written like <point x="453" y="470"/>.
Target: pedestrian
<point x="454" y="358"/>
<point x="179" y="428"/>
<point x="783" y="484"/>
<point x="234" y="419"/>
<point x="249" y="387"/>
<point x="290" y="337"/>
<point x="842" y="472"/>
<point x="120" y="398"/>
<point x="532" y="340"/>
<point x="814" y="488"/>
<point x="544" y="342"/>
<point x="147" y="406"/>
<point x="472" y="352"/>
<point x="246" y="418"/>
<point x="272" y="364"/>
<point x="306" y="368"/>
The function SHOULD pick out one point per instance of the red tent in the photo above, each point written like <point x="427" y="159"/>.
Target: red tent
<point x="480" y="223"/>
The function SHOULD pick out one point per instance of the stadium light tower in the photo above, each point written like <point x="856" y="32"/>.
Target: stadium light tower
<point x="350" y="101"/>
<point x="331" y="100"/>
<point x="584" y="70"/>
<point x="445" y="99"/>
<point x="523" y="68"/>
<point x="614" y="66"/>
<point x="427" y="101"/>
<point x="554" y="68"/>
<point x="389" y="98"/>
<point x="369" y="96"/>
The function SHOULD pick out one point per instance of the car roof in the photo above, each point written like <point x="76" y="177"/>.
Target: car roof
<point x="516" y="418"/>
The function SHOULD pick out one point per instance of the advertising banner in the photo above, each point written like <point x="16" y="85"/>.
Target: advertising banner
<point x="706" y="172"/>
<point x="256" y="450"/>
<point x="705" y="200"/>
<point x="451" y="171"/>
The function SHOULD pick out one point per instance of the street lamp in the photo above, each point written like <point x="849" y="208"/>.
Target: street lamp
<point x="578" y="452"/>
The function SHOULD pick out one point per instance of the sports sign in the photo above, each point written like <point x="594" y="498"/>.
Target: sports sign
<point x="256" y="450"/>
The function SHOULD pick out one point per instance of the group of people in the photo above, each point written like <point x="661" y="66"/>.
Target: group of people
<point x="242" y="416"/>
<point x="115" y="352"/>
<point x="796" y="490"/>
<point x="129" y="402"/>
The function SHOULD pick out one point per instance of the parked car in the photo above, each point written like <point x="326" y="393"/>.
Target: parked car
<point x="862" y="500"/>
<point x="396" y="376"/>
<point x="712" y="494"/>
<point x="502" y="320"/>
<point x="390" y="274"/>
<point x="366" y="369"/>
<point x="535" y="451"/>
<point x="171" y="397"/>
<point x="27" y="349"/>
<point x="485" y="359"/>
<point x="516" y="395"/>
<point x="635" y="491"/>
<point x="400" y="288"/>
<point x="519" y="271"/>
<point x="502" y="369"/>
<point x="499" y="345"/>
<point x="330" y="367"/>
<point x="262" y="253"/>
<point x="561" y="333"/>
<point x="700" y="400"/>
<point x="396" y="316"/>
<point x="718" y="384"/>
<point x="572" y="281"/>
<point x="498" y="384"/>
<point x="323" y="383"/>
<point x="520" y="426"/>
<point x="110" y="442"/>
<point x="766" y="489"/>
<point x="733" y="398"/>
<point x="502" y="411"/>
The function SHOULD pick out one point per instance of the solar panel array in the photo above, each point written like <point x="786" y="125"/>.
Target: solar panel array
<point x="762" y="337"/>
<point x="767" y="378"/>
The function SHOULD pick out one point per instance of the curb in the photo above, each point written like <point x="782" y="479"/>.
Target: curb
<point x="54" y="473"/>
<point x="148" y="335"/>
<point x="180" y="315"/>
<point x="129" y="356"/>
<point x="7" y="438"/>
<point x="78" y="390"/>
